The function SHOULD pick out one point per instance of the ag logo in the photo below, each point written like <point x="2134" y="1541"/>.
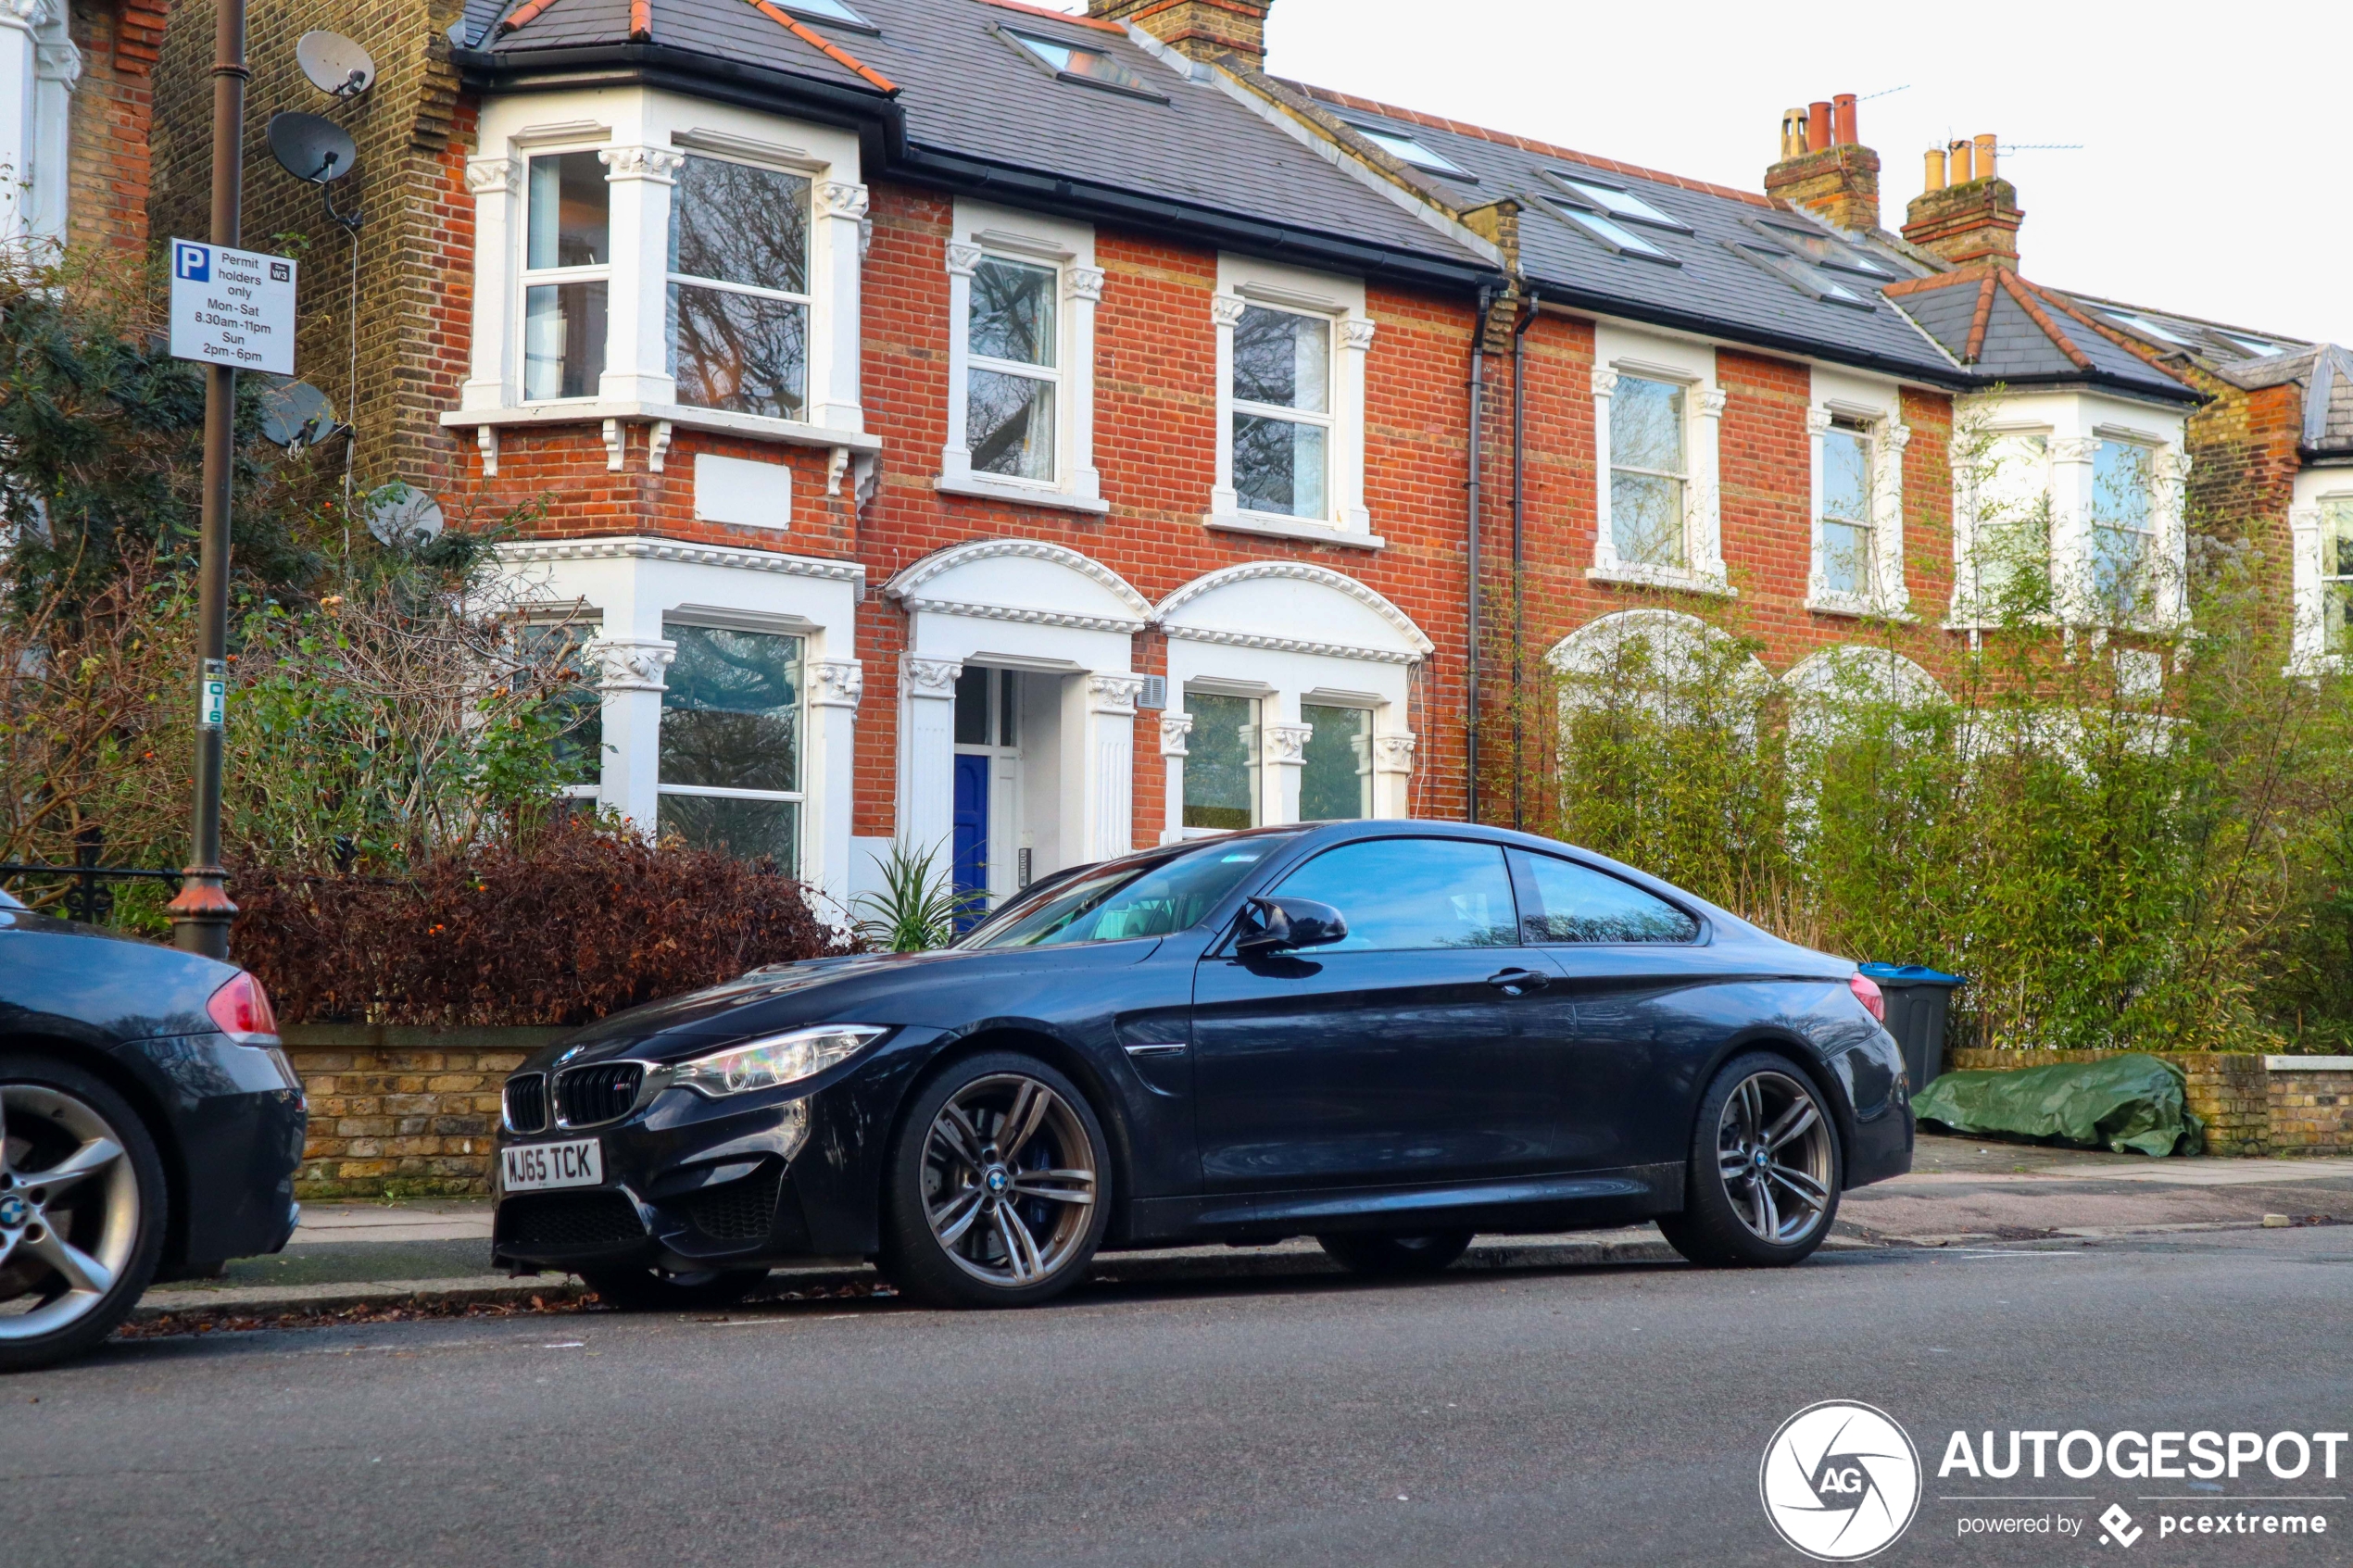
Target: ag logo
<point x="1839" y="1481"/>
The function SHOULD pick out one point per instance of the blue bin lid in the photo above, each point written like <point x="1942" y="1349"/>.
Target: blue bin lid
<point x="1911" y="975"/>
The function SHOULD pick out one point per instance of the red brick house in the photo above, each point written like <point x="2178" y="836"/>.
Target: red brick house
<point x="1036" y="436"/>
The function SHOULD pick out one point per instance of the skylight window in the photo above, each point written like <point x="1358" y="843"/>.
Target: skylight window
<point x="1611" y="232"/>
<point x="829" y="10"/>
<point x="1803" y="276"/>
<point x="1823" y="248"/>
<point x="2154" y="329"/>
<point x="1079" y="63"/>
<point x="1406" y="149"/>
<point x="1620" y="203"/>
<point x="2261" y="348"/>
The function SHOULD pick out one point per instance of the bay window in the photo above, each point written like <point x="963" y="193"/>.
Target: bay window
<point x="1336" y="777"/>
<point x="1222" y="762"/>
<point x="567" y="271"/>
<point x="730" y="765"/>
<point x="738" y="288"/>
<point x="2337" y="573"/>
<point x="2123" y="524"/>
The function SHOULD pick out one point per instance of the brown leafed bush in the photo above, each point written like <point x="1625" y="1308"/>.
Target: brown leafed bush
<point x="580" y="923"/>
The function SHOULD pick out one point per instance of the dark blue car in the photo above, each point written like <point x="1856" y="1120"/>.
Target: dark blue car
<point x="1388" y="1036"/>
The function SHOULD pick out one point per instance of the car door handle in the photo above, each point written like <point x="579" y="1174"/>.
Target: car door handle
<point x="1516" y="982"/>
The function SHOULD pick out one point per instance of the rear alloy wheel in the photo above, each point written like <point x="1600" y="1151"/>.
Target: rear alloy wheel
<point x="1765" y="1170"/>
<point x="650" y="1290"/>
<point x="1396" y="1256"/>
<point x="997" y="1188"/>
<point x="82" y="1211"/>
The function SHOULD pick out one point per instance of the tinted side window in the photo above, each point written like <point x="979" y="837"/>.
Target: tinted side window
<point x="1572" y="903"/>
<point x="1400" y="893"/>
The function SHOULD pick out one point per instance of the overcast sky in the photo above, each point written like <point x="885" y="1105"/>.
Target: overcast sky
<point x="2215" y="176"/>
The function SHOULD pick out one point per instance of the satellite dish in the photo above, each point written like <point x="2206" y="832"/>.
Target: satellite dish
<point x="335" y="64"/>
<point x="312" y="147"/>
<point x="401" y="515"/>
<point x="296" y="414"/>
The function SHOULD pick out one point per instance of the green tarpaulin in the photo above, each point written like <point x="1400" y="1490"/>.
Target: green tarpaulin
<point x="2130" y="1104"/>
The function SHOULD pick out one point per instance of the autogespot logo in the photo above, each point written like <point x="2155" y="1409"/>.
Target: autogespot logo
<point x="1839" y="1481"/>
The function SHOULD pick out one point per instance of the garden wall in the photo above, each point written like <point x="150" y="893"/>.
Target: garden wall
<point x="2251" y="1105"/>
<point x="402" y="1109"/>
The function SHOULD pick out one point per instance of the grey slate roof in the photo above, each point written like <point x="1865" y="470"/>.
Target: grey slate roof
<point x="968" y="94"/>
<point x="2252" y="359"/>
<point x="2007" y="330"/>
<point x="1712" y="287"/>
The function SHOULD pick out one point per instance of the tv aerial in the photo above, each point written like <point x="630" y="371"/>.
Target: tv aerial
<point x="335" y="64"/>
<point x="317" y="151"/>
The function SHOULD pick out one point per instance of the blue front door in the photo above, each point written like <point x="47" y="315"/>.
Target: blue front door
<point x="972" y="833"/>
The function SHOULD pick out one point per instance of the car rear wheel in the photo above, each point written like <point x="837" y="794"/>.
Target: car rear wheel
<point x="1765" y="1170"/>
<point x="997" y="1187"/>
<point x="82" y="1210"/>
<point x="1396" y="1256"/>
<point x="650" y="1290"/>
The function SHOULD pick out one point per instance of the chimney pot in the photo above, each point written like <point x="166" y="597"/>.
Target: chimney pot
<point x="1986" y="158"/>
<point x="1817" y="125"/>
<point x="1961" y="152"/>
<point x="1793" y="133"/>
<point x="1843" y="131"/>
<point x="1935" y="169"/>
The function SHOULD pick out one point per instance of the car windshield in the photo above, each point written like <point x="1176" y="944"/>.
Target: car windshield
<point x="1129" y="900"/>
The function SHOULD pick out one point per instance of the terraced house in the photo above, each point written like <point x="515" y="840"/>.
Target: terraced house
<point x="1036" y="436"/>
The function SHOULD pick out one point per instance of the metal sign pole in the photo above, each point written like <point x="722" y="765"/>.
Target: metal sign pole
<point x="200" y="915"/>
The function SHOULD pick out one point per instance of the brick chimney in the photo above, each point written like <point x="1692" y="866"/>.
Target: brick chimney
<point x="1969" y="213"/>
<point x="1204" y="29"/>
<point x="1825" y="168"/>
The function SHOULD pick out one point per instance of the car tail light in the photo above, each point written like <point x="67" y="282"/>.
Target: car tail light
<point x="241" y="1011"/>
<point x="1867" y="992"/>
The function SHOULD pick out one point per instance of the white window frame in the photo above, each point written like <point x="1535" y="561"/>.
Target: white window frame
<point x="642" y="136"/>
<point x="1368" y="781"/>
<point x="1878" y="409"/>
<point x="758" y="625"/>
<point x="807" y="302"/>
<point x="528" y="278"/>
<point x="1243" y="281"/>
<point x="2152" y="536"/>
<point x="2072" y="424"/>
<point x="2317" y="491"/>
<point x="983" y="231"/>
<point x="1620" y="353"/>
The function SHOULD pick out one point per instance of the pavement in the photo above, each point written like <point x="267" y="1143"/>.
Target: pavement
<point x="1611" y="1415"/>
<point x="435" y="1253"/>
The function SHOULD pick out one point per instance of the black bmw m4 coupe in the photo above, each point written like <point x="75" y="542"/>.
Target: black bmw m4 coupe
<point x="1387" y="1036"/>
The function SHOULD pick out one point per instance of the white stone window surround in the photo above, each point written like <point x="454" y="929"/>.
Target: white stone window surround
<point x="1618" y="351"/>
<point x="2071" y="425"/>
<point x="1877" y="406"/>
<point x="643" y="135"/>
<point x="1037" y="606"/>
<point x="40" y="67"/>
<point x="1231" y="632"/>
<point x="633" y="586"/>
<point x="2316" y="490"/>
<point x="982" y="230"/>
<point x="1243" y="281"/>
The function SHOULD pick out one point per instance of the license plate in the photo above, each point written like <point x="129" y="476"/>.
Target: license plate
<point x="531" y="1167"/>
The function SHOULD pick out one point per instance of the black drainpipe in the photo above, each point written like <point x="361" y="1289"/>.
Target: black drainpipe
<point x="1519" y="514"/>
<point x="1477" y="422"/>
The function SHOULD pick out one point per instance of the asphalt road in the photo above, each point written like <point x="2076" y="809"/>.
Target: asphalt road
<point x="1610" y="1416"/>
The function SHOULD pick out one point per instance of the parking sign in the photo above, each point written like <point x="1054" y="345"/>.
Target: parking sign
<point x="234" y="308"/>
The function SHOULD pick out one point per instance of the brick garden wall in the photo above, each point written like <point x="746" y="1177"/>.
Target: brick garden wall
<point x="2312" y="1107"/>
<point x="2247" y="1108"/>
<point x="402" y="1109"/>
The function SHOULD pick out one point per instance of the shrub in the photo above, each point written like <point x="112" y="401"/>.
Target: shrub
<point x="579" y="921"/>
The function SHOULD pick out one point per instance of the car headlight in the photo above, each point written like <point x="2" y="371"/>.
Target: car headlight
<point x="774" y="1061"/>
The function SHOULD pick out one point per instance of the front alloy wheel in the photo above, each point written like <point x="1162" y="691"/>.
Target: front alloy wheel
<point x="1765" y="1173"/>
<point x="1004" y="1173"/>
<point x="80" y="1212"/>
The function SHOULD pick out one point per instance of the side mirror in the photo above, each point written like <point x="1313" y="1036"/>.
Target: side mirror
<point x="1284" y="925"/>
